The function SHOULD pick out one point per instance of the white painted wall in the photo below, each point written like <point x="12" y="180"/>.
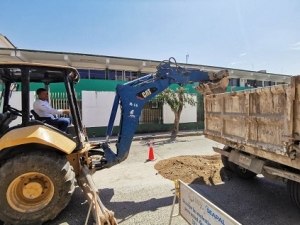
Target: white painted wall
<point x="16" y="102"/>
<point x="188" y="115"/>
<point x="96" y="108"/>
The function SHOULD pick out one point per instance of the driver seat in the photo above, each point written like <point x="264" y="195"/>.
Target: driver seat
<point x="37" y="117"/>
<point x="42" y="119"/>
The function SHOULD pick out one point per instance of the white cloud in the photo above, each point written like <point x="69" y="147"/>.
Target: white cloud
<point x="296" y="46"/>
<point x="243" y="54"/>
<point x="237" y="62"/>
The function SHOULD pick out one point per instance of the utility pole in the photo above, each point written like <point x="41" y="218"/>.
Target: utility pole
<point x="186" y="58"/>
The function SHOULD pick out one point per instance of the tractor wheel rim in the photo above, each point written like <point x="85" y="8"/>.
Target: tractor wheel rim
<point x="30" y="192"/>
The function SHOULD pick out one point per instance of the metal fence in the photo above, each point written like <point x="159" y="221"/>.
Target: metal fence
<point x="59" y="100"/>
<point x="200" y="108"/>
<point x="152" y="112"/>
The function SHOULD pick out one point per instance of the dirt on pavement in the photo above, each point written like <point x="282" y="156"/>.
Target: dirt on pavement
<point x="193" y="169"/>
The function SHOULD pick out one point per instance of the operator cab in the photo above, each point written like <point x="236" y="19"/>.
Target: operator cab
<point x="17" y="78"/>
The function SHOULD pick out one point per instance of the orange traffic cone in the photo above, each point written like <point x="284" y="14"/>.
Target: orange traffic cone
<point x="151" y="152"/>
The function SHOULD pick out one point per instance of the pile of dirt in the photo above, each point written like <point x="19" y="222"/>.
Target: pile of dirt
<point x="192" y="169"/>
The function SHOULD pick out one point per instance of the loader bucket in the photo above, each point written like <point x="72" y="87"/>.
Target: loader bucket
<point x="213" y="87"/>
<point x="102" y="216"/>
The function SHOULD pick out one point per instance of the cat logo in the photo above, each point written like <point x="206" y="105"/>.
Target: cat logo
<point x="146" y="93"/>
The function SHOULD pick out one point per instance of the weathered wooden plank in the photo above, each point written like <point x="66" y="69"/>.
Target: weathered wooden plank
<point x="261" y="118"/>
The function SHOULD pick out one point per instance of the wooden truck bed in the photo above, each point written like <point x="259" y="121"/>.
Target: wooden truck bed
<point x="262" y="121"/>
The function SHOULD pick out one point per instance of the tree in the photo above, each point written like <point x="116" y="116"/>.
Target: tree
<point x="176" y="100"/>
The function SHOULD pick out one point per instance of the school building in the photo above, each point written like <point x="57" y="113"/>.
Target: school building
<point x="101" y="73"/>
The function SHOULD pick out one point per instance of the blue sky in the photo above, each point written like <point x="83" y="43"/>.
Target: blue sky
<point x="251" y="35"/>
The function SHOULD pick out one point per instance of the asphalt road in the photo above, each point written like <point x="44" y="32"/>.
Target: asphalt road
<point x="138" y="195"/>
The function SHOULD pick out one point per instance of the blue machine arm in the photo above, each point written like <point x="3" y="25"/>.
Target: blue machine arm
<point x="132" y="97"/>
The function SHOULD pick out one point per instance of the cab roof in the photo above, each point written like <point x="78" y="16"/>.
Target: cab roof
<point x="38" y="72"/>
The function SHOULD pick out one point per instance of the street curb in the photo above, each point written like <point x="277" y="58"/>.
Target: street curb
<point x="160" y="136"/>
<point x="137" y="138"/>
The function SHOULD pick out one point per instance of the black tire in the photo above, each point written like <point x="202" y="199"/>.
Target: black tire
<point x="242" y="172"/>
<point x="42" y="183"/>
<point x="224" y="159"/>
<point x="225" y="162"/>
<point x="293" y="188"/>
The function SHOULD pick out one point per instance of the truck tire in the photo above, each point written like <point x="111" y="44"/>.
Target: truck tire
<point x="242" y="172"/>
<point x="35" y="187"/>
<point x="224" y="159"/>
<point x="293" y="188"/>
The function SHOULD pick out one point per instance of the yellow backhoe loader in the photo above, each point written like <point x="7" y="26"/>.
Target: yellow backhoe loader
<point x="39" y="164"/>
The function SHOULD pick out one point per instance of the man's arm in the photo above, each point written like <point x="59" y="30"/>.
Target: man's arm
<point x="46" y="108"/>
<point x="65" y="111"/>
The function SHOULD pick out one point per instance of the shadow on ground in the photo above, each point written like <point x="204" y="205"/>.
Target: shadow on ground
<point x="126" y="209"/>
<point x="76" y="211"/>
<point x="251" y="202"/>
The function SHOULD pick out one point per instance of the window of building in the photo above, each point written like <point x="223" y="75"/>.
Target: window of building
<point x="134" y="75"/>
<point x="251" y="82"/>
<point x="234" y="82"/>
<point x="127" y="75"/>
<point x="119" y="75"/>
<point x="97" y="74"/>
<point x="84" y="74"/>
<point x="112" y="75"/>
<point x="259" y="83"/>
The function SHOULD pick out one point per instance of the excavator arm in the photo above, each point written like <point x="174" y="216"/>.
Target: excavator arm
<point x="133" y="95"/>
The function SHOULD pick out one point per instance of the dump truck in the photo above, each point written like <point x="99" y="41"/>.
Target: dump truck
<point x="40" y="164"/>
<point x="260" y="131"/>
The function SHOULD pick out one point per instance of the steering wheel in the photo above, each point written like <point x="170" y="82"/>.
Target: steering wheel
<point x="13" y="110"/>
